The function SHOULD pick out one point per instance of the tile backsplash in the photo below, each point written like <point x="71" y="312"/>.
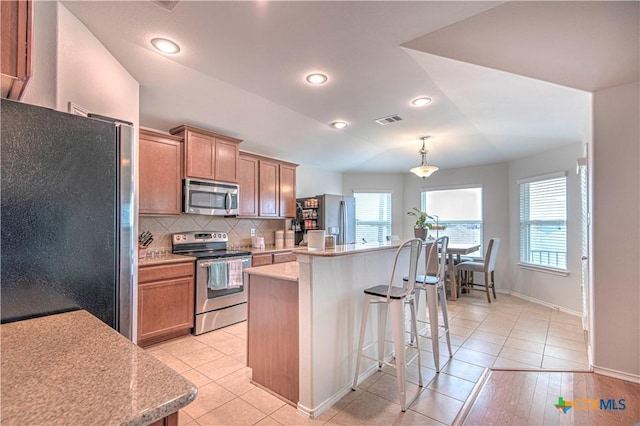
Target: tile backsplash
<point x="238" y="230"/>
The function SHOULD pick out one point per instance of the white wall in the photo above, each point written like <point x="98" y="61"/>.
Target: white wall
<point x="493" y="179"/>
<point x="562" y="291"/>
<point x="70" y="64"/>
<point x="616" y="231"/>
<point x="383" y="182"/>
<point x="89" y="76"/>
<point x="41" y="89"/>
<point x="312" y="181"/>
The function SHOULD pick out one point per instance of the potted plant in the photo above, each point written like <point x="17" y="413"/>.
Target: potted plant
<point x="423" y="222"/>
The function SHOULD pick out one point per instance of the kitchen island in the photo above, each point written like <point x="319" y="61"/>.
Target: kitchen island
<point x="71" y="368"/>
<point x="329" y="295"/>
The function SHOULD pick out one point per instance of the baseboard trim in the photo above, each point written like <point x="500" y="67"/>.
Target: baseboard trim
<point x="543" y="303"/>
<point x="634" y="378"/>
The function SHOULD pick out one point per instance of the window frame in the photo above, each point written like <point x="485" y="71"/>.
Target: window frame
<point x="523" y="264"/>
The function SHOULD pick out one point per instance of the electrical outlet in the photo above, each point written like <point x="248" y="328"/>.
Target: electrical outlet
<point x="253" y="232"/>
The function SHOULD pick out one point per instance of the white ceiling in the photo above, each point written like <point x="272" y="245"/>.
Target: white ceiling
<point x="506" y="79"/>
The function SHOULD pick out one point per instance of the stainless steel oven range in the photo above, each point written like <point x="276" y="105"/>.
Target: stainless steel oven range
<point x="221" y="294"/>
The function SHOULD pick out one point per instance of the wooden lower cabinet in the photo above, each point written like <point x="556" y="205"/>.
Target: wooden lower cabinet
<point x="269" y="258"/>
<point x="272" y="335"/>
<point x="261" y="259"/>
<point x="165" y="302"/>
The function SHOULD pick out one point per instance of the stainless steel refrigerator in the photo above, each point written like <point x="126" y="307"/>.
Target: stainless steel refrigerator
<point x="68" y="215"/>
<point x="333" y="212"/>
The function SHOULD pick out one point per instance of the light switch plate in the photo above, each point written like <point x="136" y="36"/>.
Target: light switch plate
<point x="253" y="232"/>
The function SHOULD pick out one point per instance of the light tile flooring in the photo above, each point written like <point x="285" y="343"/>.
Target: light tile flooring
<point x="509" y="333"/>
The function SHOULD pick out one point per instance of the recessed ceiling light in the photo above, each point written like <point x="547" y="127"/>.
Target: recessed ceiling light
<point x="316" y="78"/>
<point x="165" y="46"/>
<point x="339" y="124"/>
<point x="422" y="101"/>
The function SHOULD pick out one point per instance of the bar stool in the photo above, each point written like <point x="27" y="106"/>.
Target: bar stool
<point x="395" y="298"/>
<point x="433" y="284"/>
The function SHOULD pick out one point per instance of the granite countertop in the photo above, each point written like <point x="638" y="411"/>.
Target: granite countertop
<point x="71" y="368"/>
<point x="164" y="259"/>
<point x="347" y="249"/>
<point x="272" y="250"/>
<point x="287" y="271"/>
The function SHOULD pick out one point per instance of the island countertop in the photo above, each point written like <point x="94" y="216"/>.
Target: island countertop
<point x="71" y="368"/>
<point x="347" y="249"/>
<point x="287" y="271"/>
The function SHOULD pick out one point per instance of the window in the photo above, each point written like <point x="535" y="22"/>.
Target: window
<point x="373" y="216"/>
<point x="543" y="221"/>
<point x="459" y="210"/>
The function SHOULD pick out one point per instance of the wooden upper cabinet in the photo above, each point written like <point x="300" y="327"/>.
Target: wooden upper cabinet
<point x="160" y="174"/>
<point x="287" y="190"/>
<point x="209" y="155"/>
<point x="267" y="187"/>
<point x="17" y="19"/>
<point x="269" y="193"/>
<point x="248" y="174"/>
<point x="226" y="161"/>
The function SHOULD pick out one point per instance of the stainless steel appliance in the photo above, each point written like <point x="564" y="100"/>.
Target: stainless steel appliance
<point x="210" y="198"/>
<point x="69" y="220"/>
<point x="219" y="306"/>
<point x="336" y="214"/>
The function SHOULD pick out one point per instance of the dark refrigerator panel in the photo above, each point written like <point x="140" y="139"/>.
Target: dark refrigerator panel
<point x="59" y="214"/>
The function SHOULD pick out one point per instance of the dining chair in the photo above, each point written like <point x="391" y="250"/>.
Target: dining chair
<point x="433" y="285"/>
<point x="487" y="266"/>
<point x="389" y="297"/>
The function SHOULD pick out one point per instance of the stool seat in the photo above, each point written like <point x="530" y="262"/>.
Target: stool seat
<point x="420" y="279"/>
<point x="382" y="291"/>
<point x="472" y="266"/>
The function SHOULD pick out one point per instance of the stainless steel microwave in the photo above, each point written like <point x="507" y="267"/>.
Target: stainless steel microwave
<point x="210" y="198"/>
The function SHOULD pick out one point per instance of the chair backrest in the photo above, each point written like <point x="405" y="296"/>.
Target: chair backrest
<point x="436" y="258"/>
<point x="443" y="244"/>
<point x="492" y="254"/>
<point x="414" y="247"/>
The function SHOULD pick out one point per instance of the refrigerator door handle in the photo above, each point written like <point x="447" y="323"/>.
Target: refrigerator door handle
<point x="343" y="226"/>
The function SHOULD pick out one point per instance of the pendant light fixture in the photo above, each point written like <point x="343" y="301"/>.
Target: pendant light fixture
<point x="423" y="170"/>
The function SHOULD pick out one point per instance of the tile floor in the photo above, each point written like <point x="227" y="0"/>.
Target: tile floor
<point x="510" y="333"/>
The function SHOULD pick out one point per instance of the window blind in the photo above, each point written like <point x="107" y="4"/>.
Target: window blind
<point x="543" y="222"/>
<point x="373" y="216"/>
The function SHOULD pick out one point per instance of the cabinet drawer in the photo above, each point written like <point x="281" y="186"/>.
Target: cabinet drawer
<point x="164" y="272"/>
<point x="261" y="259"/>
<point x="284" y="257"/>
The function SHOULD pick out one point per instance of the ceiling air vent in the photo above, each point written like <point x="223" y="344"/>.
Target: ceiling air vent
<point x="388" y="120"/>
<point x="168" y="4"/>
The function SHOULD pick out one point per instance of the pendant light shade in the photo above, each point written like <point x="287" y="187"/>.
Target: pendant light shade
<point x="424" y="170"/>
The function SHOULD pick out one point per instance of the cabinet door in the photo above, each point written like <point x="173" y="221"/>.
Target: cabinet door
<point x="248" y="174"/>
<point x="17" y="18"/>
<point x="269" y="189"/>
<point x="200" y="155"/>
<point x="287" y="191"/>
<point x="226" y="161"/>
<point x="165" y="309"/>
<point x="160" y="174"/>
<point x="284" y="257"/>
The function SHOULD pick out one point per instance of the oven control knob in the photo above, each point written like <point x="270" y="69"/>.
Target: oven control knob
<point x="177" y="237"/>
<point x="224" y="235"/>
